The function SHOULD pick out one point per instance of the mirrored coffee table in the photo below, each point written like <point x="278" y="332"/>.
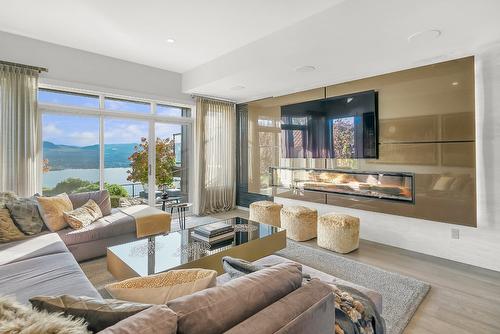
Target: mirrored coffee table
<point x="179" y="250"/>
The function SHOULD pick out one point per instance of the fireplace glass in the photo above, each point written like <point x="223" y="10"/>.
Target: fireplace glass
<point x="383" y="185"/>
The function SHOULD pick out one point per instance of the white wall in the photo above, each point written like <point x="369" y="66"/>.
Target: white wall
<point x="84" y="70"/>
<point x="477" y="246"/>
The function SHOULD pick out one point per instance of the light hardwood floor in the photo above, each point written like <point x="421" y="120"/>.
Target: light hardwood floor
<point x="462" y="299"/>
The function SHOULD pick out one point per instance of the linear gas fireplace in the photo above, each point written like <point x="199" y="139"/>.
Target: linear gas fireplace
<point x="382" y="185"/>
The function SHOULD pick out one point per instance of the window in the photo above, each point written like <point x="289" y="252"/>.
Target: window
<point x="164" y="110"/>
<point x="70" y="153"/>
<point x="74" y="144"/>
<point x="125" y="105"/>
<point x="67" y="98"/>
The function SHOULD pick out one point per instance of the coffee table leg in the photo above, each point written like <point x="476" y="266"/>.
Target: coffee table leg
<point x="184" y="217"/>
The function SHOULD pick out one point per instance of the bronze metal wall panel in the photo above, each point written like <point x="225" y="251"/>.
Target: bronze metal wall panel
<point x="426" y="127"/>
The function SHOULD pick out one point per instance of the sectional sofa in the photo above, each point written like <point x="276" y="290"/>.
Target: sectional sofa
<point x="46" y="264"/>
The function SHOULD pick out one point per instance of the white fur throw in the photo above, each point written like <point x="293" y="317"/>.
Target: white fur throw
<point x="16" y="318"/>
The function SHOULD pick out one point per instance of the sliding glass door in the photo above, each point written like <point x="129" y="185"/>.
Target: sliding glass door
<point x="126" y="165"/>
<point x="171" y="161"/>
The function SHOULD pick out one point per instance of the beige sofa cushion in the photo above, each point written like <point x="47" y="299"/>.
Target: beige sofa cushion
<point x="309" y="309"/>
<point x="271" y="260"/>
<point x="160" y="288"/>
<point x="154" y="320"/>
<point x="101" y="197"/>
<point x="220" y="308"/>
<point x="8" y="230"/>
<point x="83" y="216"/>
<point x="53" y="209"/>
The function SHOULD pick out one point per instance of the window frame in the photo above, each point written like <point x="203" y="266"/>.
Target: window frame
<point x="152" y="117"/>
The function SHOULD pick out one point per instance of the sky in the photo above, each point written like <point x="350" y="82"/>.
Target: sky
<point x="80" y="130"/>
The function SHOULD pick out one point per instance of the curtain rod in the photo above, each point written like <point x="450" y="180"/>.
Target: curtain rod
<point x="36" y="68"/>
<point x="213" y="98"/>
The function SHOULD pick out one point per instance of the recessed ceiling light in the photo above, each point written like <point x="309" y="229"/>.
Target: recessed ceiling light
<point x="304" y="69"/>
<point x="170" y="40"/>
<point x="455" y="83"/>
<point x="238" y="87"/>
<point x="424" y="36"/>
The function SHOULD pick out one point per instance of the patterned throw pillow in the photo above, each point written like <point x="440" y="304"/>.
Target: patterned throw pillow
<point x="160" y="288"/>
<point x="25" y="214"/>
<point x="5" y="197"/>
<point x="53" y="208"/>
<point x="84" y="215"/>
<point x="8" y="230"/>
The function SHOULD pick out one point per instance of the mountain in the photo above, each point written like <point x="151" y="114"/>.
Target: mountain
<point x="86" y="157"/>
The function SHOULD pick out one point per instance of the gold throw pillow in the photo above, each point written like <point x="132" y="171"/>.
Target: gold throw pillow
<point x="8" y="230"/>
<point x="160" y="288"/>
<point x="53" y="209"/>
<point x="84" y="215"/>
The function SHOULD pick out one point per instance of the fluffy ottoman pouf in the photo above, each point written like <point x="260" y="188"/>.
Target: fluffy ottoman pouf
<point x="300" y="222"/>
<point x="266" y="212"/>
<point x="339" y="233"/>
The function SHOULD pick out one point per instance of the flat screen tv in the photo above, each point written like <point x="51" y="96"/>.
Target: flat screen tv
<point x="341" y="127"/>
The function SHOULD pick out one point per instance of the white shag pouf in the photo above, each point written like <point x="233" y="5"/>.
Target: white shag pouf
<point x="338" y="232"/>
<point x="300" y="222"/>
<point x="266" y="212"/>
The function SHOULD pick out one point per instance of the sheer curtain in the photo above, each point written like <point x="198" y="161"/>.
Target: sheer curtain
<point x="216" y="153"/>
<point x="19" y="144"/>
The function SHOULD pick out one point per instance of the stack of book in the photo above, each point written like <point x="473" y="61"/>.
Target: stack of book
<point x="213" y="233"/>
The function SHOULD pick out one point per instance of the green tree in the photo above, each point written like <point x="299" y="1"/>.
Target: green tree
<point x="343" y="144"/>
<point x="116" y="190"/>
<point x="69" y="186"/>
<point x="76" y="185"/>
<point x="165" y="162"/>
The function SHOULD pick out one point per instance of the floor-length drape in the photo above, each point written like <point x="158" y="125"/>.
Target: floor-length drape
<point x="19" y="142"/>
<point x="216" y="155"/>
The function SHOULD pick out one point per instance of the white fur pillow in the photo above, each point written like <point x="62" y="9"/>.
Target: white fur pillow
<point x="18" y="318"/>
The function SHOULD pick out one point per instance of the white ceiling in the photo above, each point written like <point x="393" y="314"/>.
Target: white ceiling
<point x="137" y="30"/>
<point x="354" y="39"/>
<point x="258" y="44"/>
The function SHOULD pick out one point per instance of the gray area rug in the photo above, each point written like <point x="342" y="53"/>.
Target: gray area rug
<point x="401" y="295"/>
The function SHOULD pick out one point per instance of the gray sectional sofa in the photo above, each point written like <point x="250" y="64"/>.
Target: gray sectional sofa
<point x="41" y="265"/>
<point x="268" y="301"/>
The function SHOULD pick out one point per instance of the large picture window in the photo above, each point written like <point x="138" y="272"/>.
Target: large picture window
<point x="88" y="146"/>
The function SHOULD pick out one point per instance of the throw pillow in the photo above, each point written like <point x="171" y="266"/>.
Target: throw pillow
<point x="84" y="215"/>
<point x="18" y="318"/>
<point x="99" y="314"/>
<point x="6" y="196"/>
<point x="25" y="214"/>
<point x="53" y="209"/>
<point x="101" y="197"/>
<point x="156" y="319"/>
<point x="8" y="230"/>
<point x="160" y="288"/>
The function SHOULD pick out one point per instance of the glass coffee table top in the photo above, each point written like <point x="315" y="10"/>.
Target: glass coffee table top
<point x="164" y="252"/>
